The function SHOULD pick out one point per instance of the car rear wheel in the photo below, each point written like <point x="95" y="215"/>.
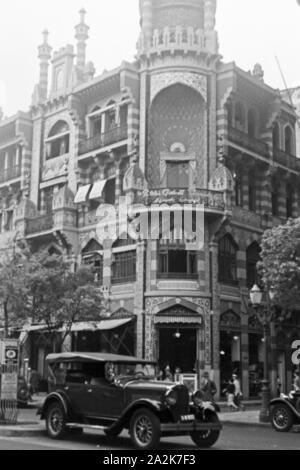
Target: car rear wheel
<point x="282" y="418"/>
<point x="207" y="438"/>
<point x="145" y="429"/>
<point x="56" y="421"/>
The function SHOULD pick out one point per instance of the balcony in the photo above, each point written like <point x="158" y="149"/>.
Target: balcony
<point x="40" y="224"/>
<point x="211" y="200"/>
<point x="178" y="276"/>
<point x="287" y="160"/>
<point x="10" y="174"/>
<point x="118" y="134"/>
<point x="250" y="143"/>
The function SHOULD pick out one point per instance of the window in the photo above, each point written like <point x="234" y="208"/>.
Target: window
<point x="288" y="140"/>
<point x="252" y="123"/>
<point x="240" y="116"/>
<point x="48" y="200"/>
<point x="252" y="193"/>
<point x="9" y="221"/>
<point x="58" y="141"/>
<point x="92" y="256"/>
<point x="289" y="201"/>
<point x="276" y="138"/>
<point x="124" y="267"/>
<point x="252" y="258"/>
<point x="110" y="192"/>
<point x="178" y="175"/>
<point x="175" y="262"/>
<point x="227" y="260"/>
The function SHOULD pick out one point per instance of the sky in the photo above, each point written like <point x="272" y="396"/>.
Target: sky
<point x="250" y="31"/>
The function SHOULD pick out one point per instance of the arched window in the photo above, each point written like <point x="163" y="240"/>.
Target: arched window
<point x="276" y="136"/>
<point x="58" y="140"/>
<point x="228" y="260"/>
<point x="252" y="258"/>
<point x="92" y="255"/>
<point x="124" y="262"/>
<point x="288" y="140"/>
<point x="251" y="123"/>
<point x="240" y="116"/>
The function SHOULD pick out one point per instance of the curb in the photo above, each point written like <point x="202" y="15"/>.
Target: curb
<point x="245" y="423"/>
<point x="17" y="431"/>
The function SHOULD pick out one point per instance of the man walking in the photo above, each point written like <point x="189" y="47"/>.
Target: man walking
<point x="208" y="387"/>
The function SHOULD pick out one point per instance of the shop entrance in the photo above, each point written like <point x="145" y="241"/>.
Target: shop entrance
<point x="178" y="349"/>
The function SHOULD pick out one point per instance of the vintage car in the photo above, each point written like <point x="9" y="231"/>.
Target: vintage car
<point x="285" y="411"/>
<point x="111" y="393"/>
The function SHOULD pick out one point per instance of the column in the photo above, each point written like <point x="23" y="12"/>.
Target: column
<point x="245" y="189"/>
<point x="242" y="267"/>
<point x="139" y="302"/>
<point x="282" y="199"/>
<point x="215" y="333"/>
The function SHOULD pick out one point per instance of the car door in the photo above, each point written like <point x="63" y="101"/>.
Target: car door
<point x="76" y="387"/>
<point x="104" y="399"/>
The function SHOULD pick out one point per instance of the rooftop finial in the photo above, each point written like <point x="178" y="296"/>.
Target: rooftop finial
<point x="82" y="14"/>
<point x="46" y="35"/>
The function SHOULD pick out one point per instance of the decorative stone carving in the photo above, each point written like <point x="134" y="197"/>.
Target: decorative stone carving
<point x="246" y="217"/>
<point x="55" y="168"/>
<point x="134" y="179"/>
<point x="222" y="179"/>
<point x="230" y="320"/>
<point x="193" y="80"/>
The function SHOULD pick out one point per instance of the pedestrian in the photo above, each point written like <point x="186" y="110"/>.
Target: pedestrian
<point x="229" y="390"/>
<point x="207" y="387"/>
<point x="160" y="376"/>
<point x="168" y="374"/>
<point x="237" y="392"/>
<point x="296" y="381"/>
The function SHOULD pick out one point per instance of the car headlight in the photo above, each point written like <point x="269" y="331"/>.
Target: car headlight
<point x="171" y="398"/>
<point x="197" y="398"/>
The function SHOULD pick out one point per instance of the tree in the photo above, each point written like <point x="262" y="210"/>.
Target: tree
<point x="13" y="292"/>
<point x="57" y="297"/>
<point x="280" y="265"/>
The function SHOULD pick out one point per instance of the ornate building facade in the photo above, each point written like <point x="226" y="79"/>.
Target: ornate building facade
<point x="176" y="125"/>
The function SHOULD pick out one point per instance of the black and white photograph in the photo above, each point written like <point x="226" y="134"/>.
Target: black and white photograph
<point x="150" y="228"/>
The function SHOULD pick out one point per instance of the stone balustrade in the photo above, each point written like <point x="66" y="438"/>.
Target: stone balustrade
<point x="179" y="38"/>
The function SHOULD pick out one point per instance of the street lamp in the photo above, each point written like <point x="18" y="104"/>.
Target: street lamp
<point x="264" y="313"/>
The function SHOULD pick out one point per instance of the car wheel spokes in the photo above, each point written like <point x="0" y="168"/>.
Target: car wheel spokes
<point x="143" y="430"/>
<point x="56" y="421"/>
<point x="281" y="417"/>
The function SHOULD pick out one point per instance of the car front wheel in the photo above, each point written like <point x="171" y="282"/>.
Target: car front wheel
<point x="205" y="439"/>
<point x="281" y="418"/>
<point x="145" y="429"/>
<point x="56" y="421"/>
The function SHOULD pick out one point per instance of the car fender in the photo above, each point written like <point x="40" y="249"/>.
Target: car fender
<point x="153" y="405"/>
<point x="59" y="397"/>
<point x="276" y="401"/>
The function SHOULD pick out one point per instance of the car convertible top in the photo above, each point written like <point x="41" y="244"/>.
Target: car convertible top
<point x="94" y="357"/>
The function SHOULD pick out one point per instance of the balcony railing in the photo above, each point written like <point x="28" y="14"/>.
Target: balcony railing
<point x="39" y="224"/>
<point x="10" y="174"/>
<point x="102" y="140"/>
<point x="249" y="143"/>
<point x="285" y="159"/>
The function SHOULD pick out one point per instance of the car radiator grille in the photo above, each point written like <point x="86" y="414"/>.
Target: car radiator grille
<point x="182" y="406"/>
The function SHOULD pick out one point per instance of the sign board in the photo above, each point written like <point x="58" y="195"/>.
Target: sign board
<point x="9" y="386"/>
<point x="10" y="352"/>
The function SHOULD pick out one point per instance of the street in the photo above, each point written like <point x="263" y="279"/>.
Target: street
<point x="232" y="438"/>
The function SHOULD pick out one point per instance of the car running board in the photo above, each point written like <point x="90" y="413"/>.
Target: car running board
<point x="87" y="426"/>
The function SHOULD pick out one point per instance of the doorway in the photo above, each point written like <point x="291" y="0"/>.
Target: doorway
<point x="178" y="348"/>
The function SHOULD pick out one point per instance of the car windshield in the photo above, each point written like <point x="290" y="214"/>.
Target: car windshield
<point x="129" y="371"/>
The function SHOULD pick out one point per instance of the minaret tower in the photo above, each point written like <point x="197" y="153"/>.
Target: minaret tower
<point x="82" y="35"/>
<point x="44" y="56"/>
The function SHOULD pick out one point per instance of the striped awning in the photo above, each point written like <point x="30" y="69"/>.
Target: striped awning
<point x="97" y="189"/>
<point x="176" y="319"/>
<point x="81" y="194"/>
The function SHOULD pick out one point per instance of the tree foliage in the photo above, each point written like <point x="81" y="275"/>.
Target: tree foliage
<point x="44" y="289"/>
<point x="280" y="265"/>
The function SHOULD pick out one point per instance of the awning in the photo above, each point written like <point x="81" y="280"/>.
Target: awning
<point x="82" y="194"/>
<point x="97" y="189"/>
<point x="175" y="319"/>
<point x="112" y="324"/>
<point x="103" y="325"/>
